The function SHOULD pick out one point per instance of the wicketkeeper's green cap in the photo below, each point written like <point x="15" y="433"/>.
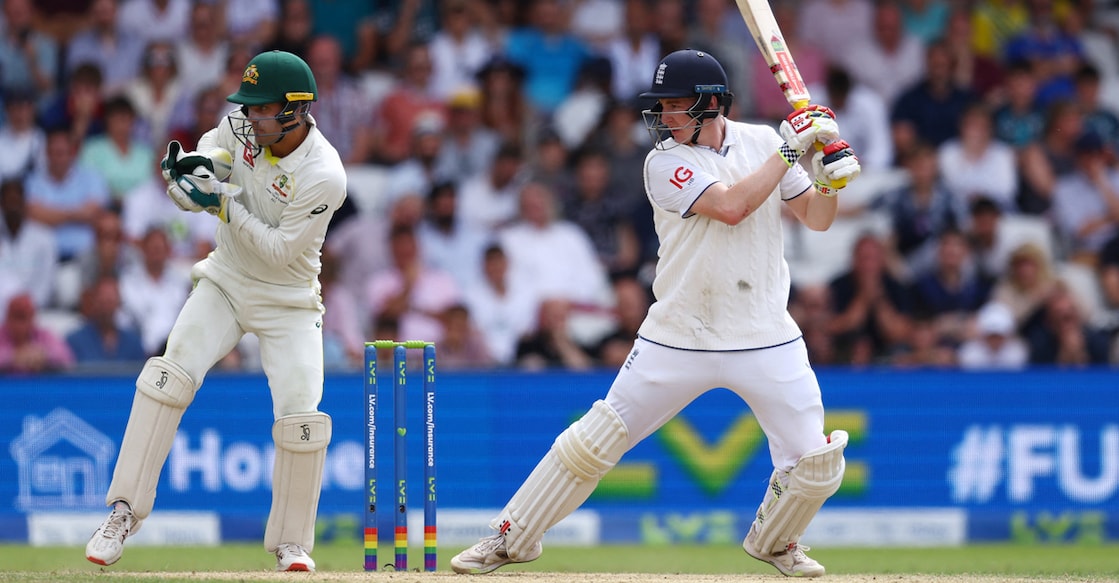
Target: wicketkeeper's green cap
<point x="276" y="77"/>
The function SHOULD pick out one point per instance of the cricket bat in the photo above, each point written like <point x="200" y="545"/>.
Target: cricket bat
<point x="767" y="35"/>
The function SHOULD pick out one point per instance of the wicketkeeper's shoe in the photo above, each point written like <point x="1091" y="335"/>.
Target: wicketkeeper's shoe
<point x="489" y="554"/>
<point x="792" y="561"/>
<point x="292" y="557"/>
<point x="107" y="543"/>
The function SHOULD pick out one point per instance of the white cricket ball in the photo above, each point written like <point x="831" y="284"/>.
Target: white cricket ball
<point x="223" y="163"/>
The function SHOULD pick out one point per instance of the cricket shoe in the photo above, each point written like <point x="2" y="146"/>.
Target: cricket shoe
<point x="792" y="562"/>
<point x="292" y="557"/>
<point x="106" y="545"/>
<point x="489" y="554"/>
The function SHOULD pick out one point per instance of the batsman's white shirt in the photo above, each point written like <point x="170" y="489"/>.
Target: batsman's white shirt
<point x="262" y="277"/>
<point x="718" y="286"/>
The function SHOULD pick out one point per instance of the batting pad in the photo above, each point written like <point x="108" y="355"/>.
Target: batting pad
<point x="787" y="509"/>
<point x="564" y="478"/>
<point x="301" y="441"/>
<point x="163" y="392"/>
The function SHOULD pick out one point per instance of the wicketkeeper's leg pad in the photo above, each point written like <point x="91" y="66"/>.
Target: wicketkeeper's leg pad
<point x="301" y="441"/>
<point x="564" y="478"/>
<point x="163" y="391"/>
<point x="788" y="507"/>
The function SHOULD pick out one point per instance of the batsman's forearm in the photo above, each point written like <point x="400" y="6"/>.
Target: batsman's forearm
<point x="749" y="193"/>
<point x="821" y="210"/>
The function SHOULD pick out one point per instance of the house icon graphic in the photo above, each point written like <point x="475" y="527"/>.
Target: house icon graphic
<point x="63" y="463"/>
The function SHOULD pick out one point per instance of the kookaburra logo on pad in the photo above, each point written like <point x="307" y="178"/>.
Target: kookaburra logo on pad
<point x="306" y="432"/>
<point x="162" y="379"/>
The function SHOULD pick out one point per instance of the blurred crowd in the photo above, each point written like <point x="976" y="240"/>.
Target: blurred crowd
<point x="494" y="151"/>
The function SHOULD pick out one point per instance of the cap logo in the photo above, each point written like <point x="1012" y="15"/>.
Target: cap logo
<point x="659" y="79"/>
<point x="251" y="75"/>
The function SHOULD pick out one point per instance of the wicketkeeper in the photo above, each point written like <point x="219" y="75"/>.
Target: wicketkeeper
<point x="262" y="278"/>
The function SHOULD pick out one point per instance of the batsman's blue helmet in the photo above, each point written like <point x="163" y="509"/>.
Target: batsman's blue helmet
<point x="688" y="73"/>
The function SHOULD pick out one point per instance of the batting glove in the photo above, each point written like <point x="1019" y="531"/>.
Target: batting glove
<point x="835" y="166"/>
<point x="804" y="127"/>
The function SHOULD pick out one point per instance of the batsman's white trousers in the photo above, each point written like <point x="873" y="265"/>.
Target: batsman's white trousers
<point x="286" y="319"/>
<point x="777" y="383"/>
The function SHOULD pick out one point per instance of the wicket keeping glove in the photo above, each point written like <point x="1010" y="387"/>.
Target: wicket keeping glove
<point x="204" y="193"/>
<point x="835" y="166"/>
<point x="178" y="163"/>
<point x="804" y="127"/>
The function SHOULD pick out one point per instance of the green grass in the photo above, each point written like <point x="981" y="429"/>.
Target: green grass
<point x="23" y="563"/>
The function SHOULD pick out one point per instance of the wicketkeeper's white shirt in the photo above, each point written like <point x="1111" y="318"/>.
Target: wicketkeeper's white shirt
<point x="719" y="287"/>
<point x="278" y="223"/>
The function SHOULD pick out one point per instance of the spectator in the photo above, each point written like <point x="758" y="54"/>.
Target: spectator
<point x="549" y="165"/>
<point x="23" y="140"/>
<point x="810" y="307"/>
<point x="1026" y="285"/>
<point x="448" y="244"/>
<point x="201" y="53"/>
<point x="409" y="291"/>
<point x="997" y="344"/>
<point x="831" y="23"/>
<point x="1109" y="274"/>
<point x="78" y="108"/>
<point x="503" y="309"/>
<point x="596" y="22"/>
<point x="923" y="347"/>
<point x="100" y="339"/>
<point x="871" y="307"/>
<point x="951" y="290"/>
<point x="717" y="29"/>
<point x="602" y="215"/>
<point x="975" y="164"/>
<point x="982" y="73"/>
<point x="1042" y="163"/>
<point x="28" y="57"/>
<point x="983" y="236"/>
<point x="552" y="254"/>
<point x="1054" y="55"/>
<point x="865" y="116"/>
<point x="342" y="112"/>
<point x="158" y="89"/>
<point x="343" y="333"/>
<point x="469" y="147"/>
<point x="632" y="301"/>
<point x="251" y="22"/>
<point x="925" y="20"/>
<point x="488" y="201"/>
<point x="122" y="159"/>
<point x="154" y="20"/>
<point x="458" y="49"/>
<point x="206" y="111"/>
<point x="1097" y="118"/>
<point x="100" y="42"/>
<point x="504" y="108"/>
<point x="295" y="30"/>
<point x="551" y="345"/>
<point x="65" y="196"/>
<point x="28" y="257"/>
<point x="415" y="175"/>
<point x="889" y="60"/>
<point x="26" y="348"/>
<point x="581" y="110"/>
<point x="931" y="109"/>
<point x="1086" y="201"/>
<point x="634" y="51"/>
<point x="995" y="22"/>
<point x="110" y="255"/>
<point x="412" y="99"/>
<point x="1018" y="121"/>
<point x="922" y="209"/>
<point x="463" y="346"/>
<point x="550" y="55"/>
<point x="152" y="292"/>
<point x="1060" y="336"/>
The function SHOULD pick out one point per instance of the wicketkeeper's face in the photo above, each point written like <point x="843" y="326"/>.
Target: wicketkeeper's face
<point x="262" y="118"/>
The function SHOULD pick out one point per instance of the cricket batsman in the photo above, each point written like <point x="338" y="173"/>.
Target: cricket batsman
<point x="720" y="319"/>
<point x="261" y="278"/>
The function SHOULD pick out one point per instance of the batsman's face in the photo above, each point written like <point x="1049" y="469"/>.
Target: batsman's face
<point x="676" y="117"/>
